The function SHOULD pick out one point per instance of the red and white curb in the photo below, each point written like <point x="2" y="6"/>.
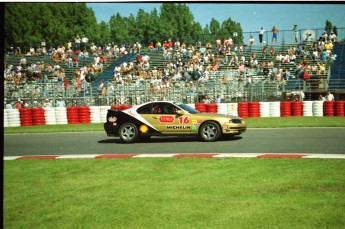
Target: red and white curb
<point x="190" y="155"/>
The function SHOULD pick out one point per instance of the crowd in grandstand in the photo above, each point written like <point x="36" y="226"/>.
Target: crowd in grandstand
<point x="182" y="63"/>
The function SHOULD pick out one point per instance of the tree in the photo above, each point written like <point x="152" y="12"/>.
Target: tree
<point x="54" y="23"/>
<point x="229" y="27"/>
<point x="214" y="27"/>
<point x="328" y="27"/>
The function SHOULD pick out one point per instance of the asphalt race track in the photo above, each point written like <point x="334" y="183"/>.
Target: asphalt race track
<point x="272" y="141"/>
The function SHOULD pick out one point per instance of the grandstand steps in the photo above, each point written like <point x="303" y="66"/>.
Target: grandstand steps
<point x="337" y="82"/>
<point x="108" y="74"/>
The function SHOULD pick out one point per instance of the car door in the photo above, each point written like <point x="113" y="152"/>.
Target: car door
<point x="164" y="118"/>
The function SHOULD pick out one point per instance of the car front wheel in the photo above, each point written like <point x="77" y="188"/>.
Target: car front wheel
<point x="128" y="132"/>
<point x="210" y="131"/>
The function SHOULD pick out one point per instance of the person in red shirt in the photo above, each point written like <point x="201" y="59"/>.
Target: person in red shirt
<point x="138" y="59"/>
<point x="165" y="45"/>
<point x="170" y="44"/>
<point x="75" y="61"/>
<point x="19" y="104"/>
<point x="151" y="46"/>
<point x="103" y="59"/>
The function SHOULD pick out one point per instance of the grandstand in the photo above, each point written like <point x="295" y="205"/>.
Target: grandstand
<point x="253" y="84"/>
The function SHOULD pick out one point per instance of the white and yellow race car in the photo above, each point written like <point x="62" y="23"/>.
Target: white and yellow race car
<point x="163" y="118"/>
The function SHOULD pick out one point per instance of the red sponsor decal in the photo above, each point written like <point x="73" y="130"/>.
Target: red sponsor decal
<point x="166" y="119"/>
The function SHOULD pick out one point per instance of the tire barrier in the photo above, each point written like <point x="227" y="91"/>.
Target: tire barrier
<point x="296" y="108"/>
<point x="84" y="115"/>
<point x="318" y="108"/>
<point x="339" y="108"/>
<point x="211" y="108"/>
<point x="264" y="109"/>
<point x="72" y="115"/>
<point x="274" y="109"/>
<point x="49" y="115"/>
<point x="328" y="108"/>
<point x="200" y="107"/>
<point x="243" y="109"/>
<point x="5" y="123"/>
<point x="222" y="108"/>
<point x="98" y="114"/>
<point x="95" y="114"/>
<point x="13" y="117"/>
<point x="25" y="116"/>
<point x="254" y="109"/>
<point x="38" y="117"/>
<point x="233" y="109"/>
<point x="104" y="111"/>
<point x="61" y="115"/>
<point x="307" y="108"/>
<point x="285" y="109"/>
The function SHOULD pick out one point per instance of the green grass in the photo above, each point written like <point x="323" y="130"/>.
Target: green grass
<point x="252" y="123"/>
<point x="174" y="193"/>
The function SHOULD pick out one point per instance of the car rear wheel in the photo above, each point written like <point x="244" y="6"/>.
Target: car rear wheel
<point x="128" y="132"/>
<point x="210" y="131"/>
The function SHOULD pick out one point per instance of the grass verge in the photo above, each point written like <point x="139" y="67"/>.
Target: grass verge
<point x="174" y="193"/>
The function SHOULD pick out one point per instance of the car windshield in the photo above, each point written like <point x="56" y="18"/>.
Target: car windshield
<point x="188" y="108"/>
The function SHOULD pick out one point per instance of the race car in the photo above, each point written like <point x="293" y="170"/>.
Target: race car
<point x="165" y="118"/>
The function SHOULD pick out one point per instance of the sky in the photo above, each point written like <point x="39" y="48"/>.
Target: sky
<point x="251" y="16"/>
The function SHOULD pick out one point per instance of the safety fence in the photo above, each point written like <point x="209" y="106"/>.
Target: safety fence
<point x="97" y="114"/>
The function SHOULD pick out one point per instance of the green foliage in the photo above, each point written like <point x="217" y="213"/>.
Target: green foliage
<point x="29" y="24"/>
<point x="328" y="27"/>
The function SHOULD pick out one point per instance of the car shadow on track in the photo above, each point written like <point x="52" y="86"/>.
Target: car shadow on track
<point x="167" y="140"/>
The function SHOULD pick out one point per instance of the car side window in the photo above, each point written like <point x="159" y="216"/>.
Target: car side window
<point x="156" y="109"/>
<point x="170" y="109"/>
<point x="144" y="109"/>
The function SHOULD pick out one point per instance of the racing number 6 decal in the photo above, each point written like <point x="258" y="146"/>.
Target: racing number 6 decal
<point x="184" y="120"/>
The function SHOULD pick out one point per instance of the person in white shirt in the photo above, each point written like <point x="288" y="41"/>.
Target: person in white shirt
<point x="60" y="102"/>
<point x="47" y="103"/>
<point x="330" y="96"/>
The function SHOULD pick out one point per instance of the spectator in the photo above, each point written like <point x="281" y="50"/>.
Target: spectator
<point x="77" y="41"/>
<point x="218" y="99"/>
<point x="60" y="102"/>
<point x="251" y="40"/>
<point x="103" y="59"/>
<point x="333" y="37"/>
<point x="295" y="30"/>
<point x="272" y="51"/>
<point x="322" y="98"/>
<point x="159" y="45"/>
<point x="206" y="100"/>
<point x="104" y="90"/>
<point x="26" y="104"/>
<point x="18" y="104"/>
<point x="8" y="105"/>
<point x="84" y="40"/>
<point x="264" y="51"/>
<point x="151" y="46"/>
<point x="329" y="96"/>
<point x="111" y="89"/>
<point x="100" y="86"/>
<point x="274" y="34"/>
<point x="47" y="103"/>
<point x="261" y="34"/>
<point x="75" y="61"/>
